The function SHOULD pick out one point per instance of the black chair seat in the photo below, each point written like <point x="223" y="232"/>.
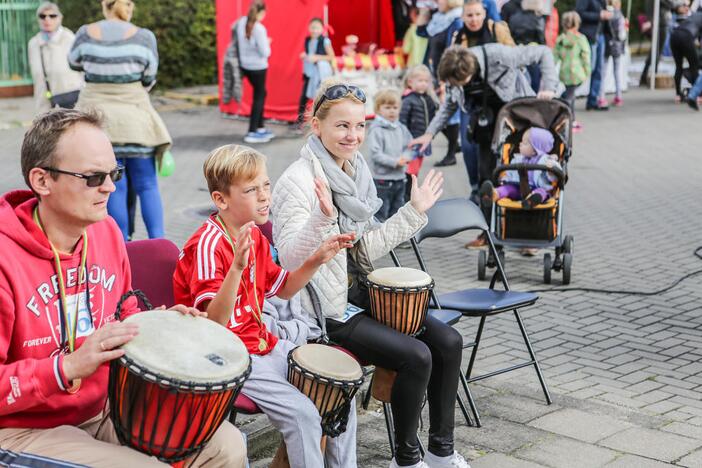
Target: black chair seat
<point x="477" y="302"/>
<point x="447" y="316"/>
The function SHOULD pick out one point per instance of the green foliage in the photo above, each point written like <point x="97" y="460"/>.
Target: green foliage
<point x="185" y="31"/>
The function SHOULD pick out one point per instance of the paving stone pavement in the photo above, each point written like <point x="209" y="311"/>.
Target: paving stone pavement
<point x="624" y="370"/>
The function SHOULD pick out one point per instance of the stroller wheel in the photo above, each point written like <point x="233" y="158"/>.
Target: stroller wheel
<point x="548" y="265"/>
<point x="567" y="264"/>
<point x="568" y="244"/>
<point x="482" y="264"/>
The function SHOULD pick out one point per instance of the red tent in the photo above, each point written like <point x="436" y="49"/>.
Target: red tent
<point x="286" y="22"/>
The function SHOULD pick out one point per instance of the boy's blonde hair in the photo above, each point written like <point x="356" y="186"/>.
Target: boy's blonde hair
<point x="386" y="96"/>
<point x="414" y="71"/>
<point x="571" y="19"/>
<point x="454" y="4"/>
<point x="232" y="163"/>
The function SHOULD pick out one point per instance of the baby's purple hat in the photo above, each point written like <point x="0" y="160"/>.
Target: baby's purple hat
<point x="541" y="140"/>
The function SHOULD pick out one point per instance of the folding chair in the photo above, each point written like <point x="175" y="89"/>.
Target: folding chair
<point x="447" y="218"/>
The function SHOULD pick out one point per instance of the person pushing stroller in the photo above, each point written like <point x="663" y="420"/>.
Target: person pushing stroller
<point x="534" y="148"/>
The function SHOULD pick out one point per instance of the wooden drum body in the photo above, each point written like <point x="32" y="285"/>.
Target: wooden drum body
<point x="175" y="384"/>
<point x="399" y="298"/>
<point x="330" y="378"/>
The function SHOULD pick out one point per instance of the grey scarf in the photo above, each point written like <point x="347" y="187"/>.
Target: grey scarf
<point x="353" y="195"/>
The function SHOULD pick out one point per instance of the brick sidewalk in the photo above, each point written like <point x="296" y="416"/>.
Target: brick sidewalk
<point x="624" y="369"/>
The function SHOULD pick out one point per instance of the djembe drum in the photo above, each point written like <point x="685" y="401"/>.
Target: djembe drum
<point x="175" y="384"/>
<point x="399" y="298"/>
<point x="330" y="378"/>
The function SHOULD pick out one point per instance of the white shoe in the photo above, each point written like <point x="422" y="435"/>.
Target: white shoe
<point x="421" y="464"/>
<point x="452" y="461"/>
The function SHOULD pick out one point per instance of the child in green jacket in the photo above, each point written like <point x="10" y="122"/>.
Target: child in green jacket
<point x="572" y="51"/>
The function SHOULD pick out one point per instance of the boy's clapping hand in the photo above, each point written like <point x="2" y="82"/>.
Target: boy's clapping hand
<point x="242" y="246"/>
<point x="331" y="246"/>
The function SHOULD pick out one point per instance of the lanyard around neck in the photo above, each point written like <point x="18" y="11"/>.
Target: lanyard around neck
<point x="68" y="329"/>
<point x="252" y="271"/>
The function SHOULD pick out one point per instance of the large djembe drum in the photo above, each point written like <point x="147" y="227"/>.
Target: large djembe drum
<point x="175" y="384"/>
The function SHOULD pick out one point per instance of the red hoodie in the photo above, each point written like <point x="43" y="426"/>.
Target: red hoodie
<point x="32" y="385"/>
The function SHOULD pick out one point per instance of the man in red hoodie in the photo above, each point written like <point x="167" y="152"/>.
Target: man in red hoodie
<point x="64" y="262"/>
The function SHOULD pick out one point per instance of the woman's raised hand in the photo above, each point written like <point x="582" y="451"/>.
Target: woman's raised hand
<point x="324" y="197"/>
<point x="425" y="195"/>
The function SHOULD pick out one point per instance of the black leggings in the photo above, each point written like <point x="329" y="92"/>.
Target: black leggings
<point x="257" y="78"/>
<point x="431" y="362"/>
<point x="451" y="133"/>
<point x="682" y="45"/>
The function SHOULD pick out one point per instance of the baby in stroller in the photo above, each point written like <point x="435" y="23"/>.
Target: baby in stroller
<point x="536" y="188"/>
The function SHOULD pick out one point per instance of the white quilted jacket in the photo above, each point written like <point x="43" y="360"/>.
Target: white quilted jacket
<point x="299" y="227"/>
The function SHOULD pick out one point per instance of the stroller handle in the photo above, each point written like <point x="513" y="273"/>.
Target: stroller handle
<point x="562" y="178"/>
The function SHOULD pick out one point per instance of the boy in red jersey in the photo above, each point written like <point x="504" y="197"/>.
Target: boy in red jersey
<point x="226" y="269"/>
<point x="64" y="268"/>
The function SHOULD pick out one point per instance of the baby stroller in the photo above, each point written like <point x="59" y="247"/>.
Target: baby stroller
<point x="540" y="227"/>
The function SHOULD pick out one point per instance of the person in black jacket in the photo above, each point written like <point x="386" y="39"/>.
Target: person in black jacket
<point x="664" y="17"/>
<point x="682" y="45"/>
<point x="418" y="108"/>
<point x="592" y="13"/>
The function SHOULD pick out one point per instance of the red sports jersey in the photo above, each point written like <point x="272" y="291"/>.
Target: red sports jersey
<point x="202" y="266"/>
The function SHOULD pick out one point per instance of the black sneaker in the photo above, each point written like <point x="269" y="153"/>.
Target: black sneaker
<point x="596" y="108"/>
<point x="531" y="201"/>
<point x="445" y="162"/>
<point x="692" y="103"/>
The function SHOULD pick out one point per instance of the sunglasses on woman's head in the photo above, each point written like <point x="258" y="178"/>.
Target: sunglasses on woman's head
<point x="96" y="179"/>
<point x="48" y="15"/>
<point x="339" y="91"/>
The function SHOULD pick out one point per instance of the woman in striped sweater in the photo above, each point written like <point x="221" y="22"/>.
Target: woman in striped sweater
<point x="120" y="61"/>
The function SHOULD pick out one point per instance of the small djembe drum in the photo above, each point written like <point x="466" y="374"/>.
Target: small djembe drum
<point x="399" y="298"/>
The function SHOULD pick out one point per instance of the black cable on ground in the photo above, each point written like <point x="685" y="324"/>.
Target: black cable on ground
<point x="629" y="293"/>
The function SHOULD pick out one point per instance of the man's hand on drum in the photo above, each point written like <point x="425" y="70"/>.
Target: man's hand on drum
<point x="325" y="202"/>
<point x="185" y="310"/>
<point x="97" y="349"/>
<point x="425" y="195"/>
<point x="422" y="140"/>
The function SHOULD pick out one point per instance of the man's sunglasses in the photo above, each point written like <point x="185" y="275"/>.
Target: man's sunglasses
<point x="339" y="91"/>
<point x="95" y="179"/>
<point x="48" y="15"/>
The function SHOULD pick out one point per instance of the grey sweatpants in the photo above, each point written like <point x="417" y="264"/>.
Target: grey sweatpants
<point x="294" y="414"/>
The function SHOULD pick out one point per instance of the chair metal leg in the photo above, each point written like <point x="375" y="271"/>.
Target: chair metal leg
<point x="390" y="425"/>
<point x="367" y="395"/>
<point x="471" y="401"/>
<point x="533" y="357"/>
<point x="232" y="417"/>
<point x="464" y="410"/>
<point x="476" y="344"/>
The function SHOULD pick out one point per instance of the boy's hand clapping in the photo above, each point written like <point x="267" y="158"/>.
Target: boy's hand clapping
<point x="332" y="246"/>
<point x="242" y="247"/>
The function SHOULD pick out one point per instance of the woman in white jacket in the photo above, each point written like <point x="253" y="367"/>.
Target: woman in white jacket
<point x="330" y="190"/>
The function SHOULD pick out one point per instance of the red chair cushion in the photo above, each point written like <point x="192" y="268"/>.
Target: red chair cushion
<point x="153" y="263"/>
<point x="246" y="405"/>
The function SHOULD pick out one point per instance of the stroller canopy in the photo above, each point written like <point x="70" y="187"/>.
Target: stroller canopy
<point x="520" y="114"/>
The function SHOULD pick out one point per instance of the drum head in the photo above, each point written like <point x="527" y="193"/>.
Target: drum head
<point x="186" y="348"/>
<point x="399" y="277"/>
<point x="327" y="361"/>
